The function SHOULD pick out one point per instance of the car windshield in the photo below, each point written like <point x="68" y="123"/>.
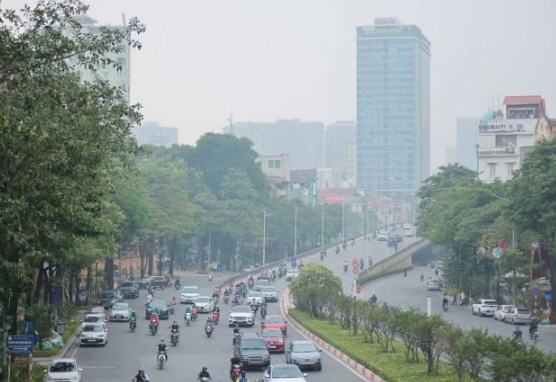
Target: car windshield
<point x="268" y="289"/>
<point x="304" y="348"/>
<point x="272" y="333"/>
<point x="62" y="367"/>
<point x="97" y="309"/>
<point x="241" y="309"/>
<point x="286" y="372"/>
<point x="157" y="304"/>
<point x="120" y="307"/>
<point x="202" y="300"/>
<point x="523" y="311"/>
<point x="274" y="319"/>
<point x="126" y="285"/>
<point x="190" y="290"/>
<point x="263" y="278"/>
<point x="108" y="295"/>
<point x="92" y="319"/>
<point x="252" y="343"/>
<point x="262" y="282"/>
<point x="255" y="294"/>
<point x="93" y="328"/>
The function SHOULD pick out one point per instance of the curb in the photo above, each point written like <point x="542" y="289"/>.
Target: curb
<point x="347" y="362"/>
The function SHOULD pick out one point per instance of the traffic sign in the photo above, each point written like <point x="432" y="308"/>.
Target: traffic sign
<point x="535" y="245"/>
<point x="355" y="262"/>
<point x="20" y="344"/>
<point x="496" y="252"/>
<point x="536" y="290"/>
<point x="355" y="269"/>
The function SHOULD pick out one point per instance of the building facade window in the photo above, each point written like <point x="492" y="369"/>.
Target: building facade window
<point x="510" y="169"/>
<point x="271" y="163"/>
<point x="277" y="163"/>
<point x="492" y="169"/>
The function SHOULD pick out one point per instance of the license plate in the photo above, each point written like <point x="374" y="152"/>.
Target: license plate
<point x="91" y="340"/>
<point x="306" y="363"/>
<point x="272" y="347"/>
<point x="256" y="362"/>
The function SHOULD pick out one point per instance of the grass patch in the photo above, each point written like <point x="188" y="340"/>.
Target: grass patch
<point x="392" y="366"/>
<point x="365" y="279"/>
<point x="73" y="323"/>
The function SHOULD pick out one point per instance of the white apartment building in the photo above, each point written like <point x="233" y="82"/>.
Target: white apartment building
<point x="119" y="78"/>
<point x="503" y="137"/>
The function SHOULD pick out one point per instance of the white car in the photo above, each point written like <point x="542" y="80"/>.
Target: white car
<point x="93" y="318"/>
<point x="291" y="274"/>
<point x="270" y="293"/>
<point x="241" y="315"/>
<point x="94" y="334"/>
<point x="383" y="236"/>
<point x="189" y="294"/>
<point x="501" y="312"/>
<point x="257" y="296"/>
<point x="64" y="369"/>
<point x="202" y="304"/>
<point x="249" y="268"/>
<point x="286" y="373"/>
<point x="120" y="311"/>
<point x="214" y="266"/>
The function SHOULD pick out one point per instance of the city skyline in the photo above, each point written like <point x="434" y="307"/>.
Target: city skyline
<point x="276" y="60"/>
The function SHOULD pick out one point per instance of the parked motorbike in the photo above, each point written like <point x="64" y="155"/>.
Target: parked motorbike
<point x="174" y="337"/>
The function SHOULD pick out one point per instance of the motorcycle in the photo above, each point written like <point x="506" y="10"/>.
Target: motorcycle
<point x="174" y="337"/>
<point x="254" y="308"/>
<point x="236" y="372"/>
<point x="226" y="299"/>
<point x="215" y="317"/>
<point x="263" y="312"/>
<point x="210" y="277"/>
<point x="421" y="277"/>
<point x="208" y="330"/>
<point x="194" y="315"/>
<point x="204" y="379"/>
<point x="187" y="319"/>
<point x="236" y="340"/>
<point x="132" y="325"/>
<point x="345" y="268"/>
<point x="273" y="276"/>
<point x="160" y="360"/>
<point x="153" y="326"/>
<point x="404" y="273"/>
<point x="534" y="335"/>
<point x="250" y="283"/>
<point x="361" y="264"/>
<point x="444" y="307"/>
<point x="370" y="262"/>
<point x="337" y="250"/>
<point x="171" y="309"/>
<point x="177" y="285"/>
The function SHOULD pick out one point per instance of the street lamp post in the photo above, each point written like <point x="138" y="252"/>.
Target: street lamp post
<point x="322" y="229"/>
<point x="295" y="235"/>
<point x="264" y="235"/>
<point x="343" y="221"/>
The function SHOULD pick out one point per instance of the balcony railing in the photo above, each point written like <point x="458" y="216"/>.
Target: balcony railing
<point x="497" y="151"/>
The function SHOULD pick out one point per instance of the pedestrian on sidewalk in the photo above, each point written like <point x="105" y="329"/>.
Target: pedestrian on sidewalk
<point x="455" y="300"/>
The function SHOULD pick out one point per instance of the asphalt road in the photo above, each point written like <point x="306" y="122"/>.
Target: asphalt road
<point x="411" y="292"/>
<point x="126" y="352"/>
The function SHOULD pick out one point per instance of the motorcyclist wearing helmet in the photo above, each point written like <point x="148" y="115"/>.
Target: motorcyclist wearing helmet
<point x="133" y="315"/>
<point x="140" y="377"/>
<point x="243" y="378"/>
<point x="161" y="348"/>
<point x="204" y="373"/>
<point x="346" y="264"/>
<point x="155" y="320"/>
<point x="175" y="327"/>
<point x="235" y="360"/>
<point x="533" y="327"/>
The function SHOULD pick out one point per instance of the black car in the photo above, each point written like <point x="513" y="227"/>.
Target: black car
<point x="392" y="242"/>
<point x="399" y="238"/>
<point x="159" y="305"/>
<point x="108" y="298"/>
<point x="253" y="352"/>
<point x="159" y="282"/>
<point x="129" y="289"/>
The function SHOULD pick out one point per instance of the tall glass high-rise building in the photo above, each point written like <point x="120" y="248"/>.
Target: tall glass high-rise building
<point x="393" y="106"/>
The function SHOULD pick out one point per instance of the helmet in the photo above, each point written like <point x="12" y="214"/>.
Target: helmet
<point x="175" y="322"/>
<point x="132" y="311"/>
<point x="243" y="373"/>
<point x="162" y="340"/>
<point x="205" y="368"/>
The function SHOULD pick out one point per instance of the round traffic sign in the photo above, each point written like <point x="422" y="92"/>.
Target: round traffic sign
<point x="536" y="290"/>
<point x="355" y="262"/>
<point x="355" y="270"/>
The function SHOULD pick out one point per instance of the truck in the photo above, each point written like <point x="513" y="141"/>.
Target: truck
<point x="484" y="307"/>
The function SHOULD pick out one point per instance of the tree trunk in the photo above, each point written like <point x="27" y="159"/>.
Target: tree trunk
<point x="13" y="311"/>
<point x="173" y="251"/>
<point x="109" y="273"/>
<point x="38" y="286"/>
<point x="89" y="284"/>
<point x="77" y="283"/>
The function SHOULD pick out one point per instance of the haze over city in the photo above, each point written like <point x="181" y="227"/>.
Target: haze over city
<point x="264" y="61"/>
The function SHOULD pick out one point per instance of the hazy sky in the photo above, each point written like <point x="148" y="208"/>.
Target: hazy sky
<point x="263" y="60"/>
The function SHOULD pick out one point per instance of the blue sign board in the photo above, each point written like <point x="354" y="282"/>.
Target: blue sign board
<point x="20" y="344"/>
<point x="496" y="252"/>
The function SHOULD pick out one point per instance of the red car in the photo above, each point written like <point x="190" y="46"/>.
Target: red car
<point x="275" y="322"/>
<point x="274" y="340"/>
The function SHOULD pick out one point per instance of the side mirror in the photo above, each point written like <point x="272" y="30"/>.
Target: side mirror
<point x="266" y="375"/>
<point x="147" y="304"/>
<point x="305" y="375"/>
<point x="320" y="350"/>
<point x="288" y="351"/>
<point x="106" y="330"/>
<point x="80" y="370"/>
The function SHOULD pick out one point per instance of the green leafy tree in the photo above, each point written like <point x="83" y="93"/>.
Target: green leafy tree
<point x="61" y="137"/>
<point x="532" y="196"/>
<point x="313" y="286"/>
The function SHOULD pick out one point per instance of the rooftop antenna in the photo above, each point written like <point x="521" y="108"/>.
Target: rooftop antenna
<point x="231" y="120"/>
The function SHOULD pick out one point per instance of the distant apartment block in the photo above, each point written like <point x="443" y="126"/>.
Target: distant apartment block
<point x="393" y="106"/>
<point x="116" y="77"/>
<point x="504" y="136"/>
<point x="466" y="142"/>
<point x="302" y="140"/>
<point x="151" y="133"/>
<point x="341" y="138"/>
<point x="277" y="171"/>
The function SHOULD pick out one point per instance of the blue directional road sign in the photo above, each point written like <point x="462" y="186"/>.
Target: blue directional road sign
<point x="20" y="344"/>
